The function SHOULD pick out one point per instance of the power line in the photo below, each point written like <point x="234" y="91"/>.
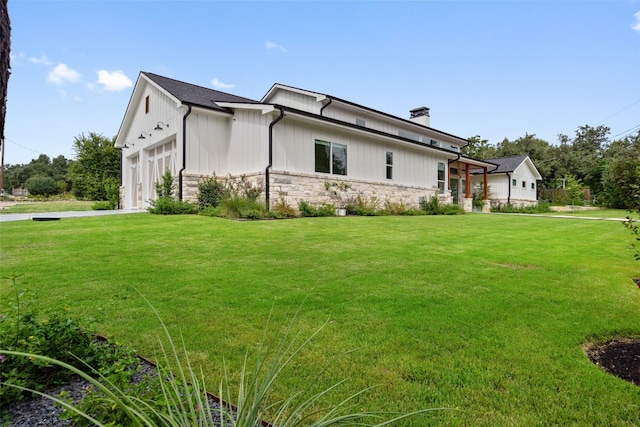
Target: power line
<point x="618" y="112"/>
<point x="23" y="146"/>
<point x="626" y="132"/>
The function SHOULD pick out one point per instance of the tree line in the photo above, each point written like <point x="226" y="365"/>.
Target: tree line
<point x="610" y="169"/>
<point x="94" y="174"/>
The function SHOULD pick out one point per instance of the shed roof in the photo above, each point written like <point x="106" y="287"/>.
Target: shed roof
<point x="196" y="95"/>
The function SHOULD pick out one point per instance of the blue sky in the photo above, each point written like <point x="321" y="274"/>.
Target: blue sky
<point x="491" y="68"/>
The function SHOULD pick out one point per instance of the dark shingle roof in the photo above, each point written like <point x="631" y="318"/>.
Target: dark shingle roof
<point x="505" y="164"/>
<point x="196" y="95"/>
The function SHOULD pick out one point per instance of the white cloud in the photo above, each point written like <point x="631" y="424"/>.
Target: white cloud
<point x="113" y="81"/>
<point x="13" y="57"/>
<point x="62" y="74"/>
<point x="272" y="45"/>
<point x="220" y="85"/>
<point x="636" y="26"/>
<point x="40" y="61"/>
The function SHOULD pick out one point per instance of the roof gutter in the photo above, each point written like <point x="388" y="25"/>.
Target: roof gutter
<point x="184" y="151"/>
<point x="268" y="168"/>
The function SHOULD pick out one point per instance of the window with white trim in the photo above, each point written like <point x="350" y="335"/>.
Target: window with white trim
<point x="524" y="185"/>
<point x="330" y="157"/>
<point x="442" y="176"/>
<point x="389" y="165"/>
<point x="514" y="182"/>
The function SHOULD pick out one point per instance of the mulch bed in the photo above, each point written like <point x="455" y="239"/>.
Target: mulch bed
<point x="619" y="357"/>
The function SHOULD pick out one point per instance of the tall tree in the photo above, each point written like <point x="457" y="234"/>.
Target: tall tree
<point x="621" y="175"/>
<point x="97" y="166"/>
<point x="5" y="50"/>
<point x="538" y="150"/>
<point x="584" y="159"/>
<point x="478" y="148"/>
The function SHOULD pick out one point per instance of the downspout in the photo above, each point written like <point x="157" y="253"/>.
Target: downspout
<point x="266" y="170"/>
<point x="509" y="186"/>
<point x="184" y="151"/>
<point x="325" y="106"/>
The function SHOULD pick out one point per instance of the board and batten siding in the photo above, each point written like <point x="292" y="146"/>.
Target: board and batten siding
<point x="140" y="160"/>
<point x="524" y="174"/>
<point x="387" y="125"/>
<point x="208" y="136"/>
<point x="296" y="100"/>
<point x="249" y="142"/>
<point x="294" y="151"/>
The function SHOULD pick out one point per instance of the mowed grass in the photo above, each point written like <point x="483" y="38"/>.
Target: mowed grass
<point x="485" y="313"/>
<point x="48" y="206"/>
<point x="599" y="213"/>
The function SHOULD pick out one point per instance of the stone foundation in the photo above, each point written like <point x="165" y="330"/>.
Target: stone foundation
<point x="340" y="191"/>
<point x="518" y="203"/>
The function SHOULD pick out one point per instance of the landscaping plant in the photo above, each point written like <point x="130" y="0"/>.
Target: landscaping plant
<point x="178" y="396"/>
<point x="26" y="328"/>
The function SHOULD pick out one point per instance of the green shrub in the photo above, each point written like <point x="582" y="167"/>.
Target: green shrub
<point x="24" y="328"/>
<point x="211" y="192"/>
<point x="239" y="186"/>
<point x="431" y="206"/>
<point x="322" y="210"/>
<point x="171" y="206"/>
<point x="166" y="204"/>
<point x="178" y="397"/>
<point x="282" y="209"/>
<point x="103" y="205"/>
<point x="364" y="206"/>
<point x="449" y="209"/>
<point x="434" y="207"/>
<point x="41" y="186"/>
<point x="541" y="207"/>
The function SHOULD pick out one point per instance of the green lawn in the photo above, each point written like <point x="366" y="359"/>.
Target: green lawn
<point x="599" y="213"/>
<point x="44" y="207"/>
<point x="485" y="313"/>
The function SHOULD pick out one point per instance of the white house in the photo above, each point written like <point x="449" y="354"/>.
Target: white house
<point x="513" y="182"/>
<point x="294" y="143"/>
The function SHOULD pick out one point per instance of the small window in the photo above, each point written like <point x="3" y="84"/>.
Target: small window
<point x="146" y="105"/>
<point x="453" y="171"/>
<point x="441" y="177"/>
<point x="533" y="185"/>
<point x="360" y="122"/>
<point x="514" y="183"/>
<point x="524" y="184"/>
<point x="389" y="165"/>
<point x="330" y="158"/>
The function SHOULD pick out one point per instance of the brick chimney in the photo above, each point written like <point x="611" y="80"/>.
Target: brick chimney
<point x="421" y="116"/>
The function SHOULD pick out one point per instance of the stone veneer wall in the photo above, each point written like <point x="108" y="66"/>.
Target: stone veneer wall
<point x="518" y="203"/>
<point x="313" y="189"/>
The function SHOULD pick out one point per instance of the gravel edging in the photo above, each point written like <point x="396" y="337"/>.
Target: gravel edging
<point x="36" y="411"/>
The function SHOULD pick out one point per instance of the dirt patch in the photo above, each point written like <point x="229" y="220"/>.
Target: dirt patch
<point x="619" y="357"/>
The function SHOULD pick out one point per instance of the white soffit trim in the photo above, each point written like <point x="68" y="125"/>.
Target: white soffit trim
<point x="264" y="108"/>
<point x="475" y="162"/>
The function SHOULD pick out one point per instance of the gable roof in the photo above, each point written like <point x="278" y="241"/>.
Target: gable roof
<point x="508" y="165"/>
<point x="196" y="95"/>
<point x="320" y="97"/>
